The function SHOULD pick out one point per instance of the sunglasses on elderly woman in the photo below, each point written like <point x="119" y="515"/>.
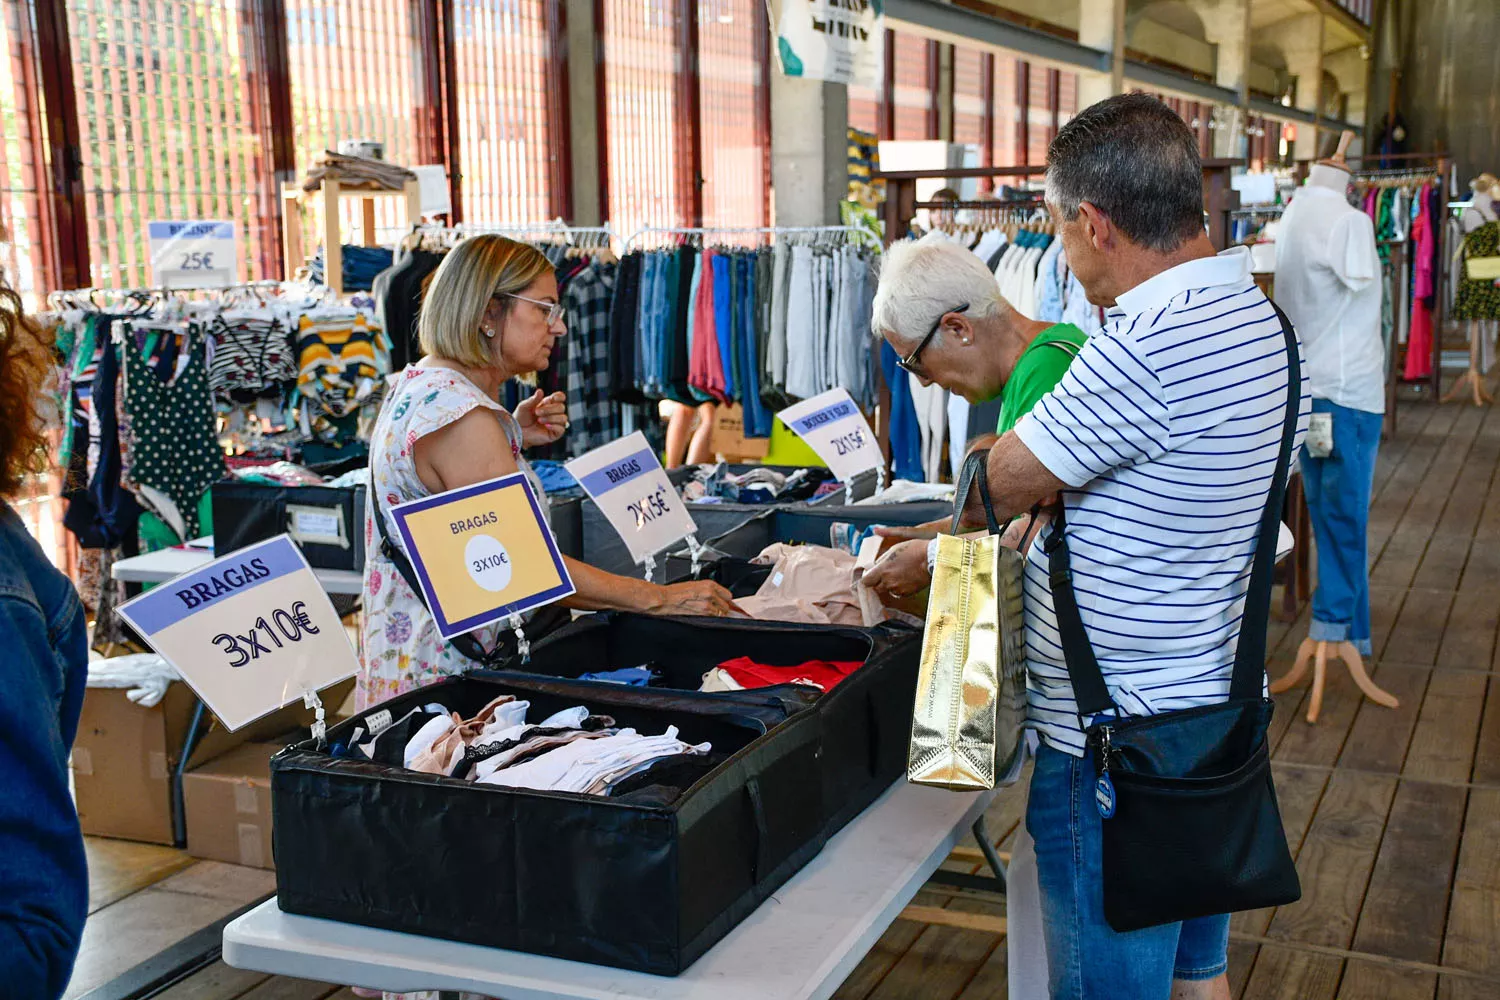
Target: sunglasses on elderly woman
<point x="909" y="363"/>
<point x="555" y="310"/>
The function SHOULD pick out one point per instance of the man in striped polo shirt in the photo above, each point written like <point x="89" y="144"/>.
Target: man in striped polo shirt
<point x="1162" y="437"/>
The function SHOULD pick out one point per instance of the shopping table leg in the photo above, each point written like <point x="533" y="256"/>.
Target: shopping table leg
<point x="982" y="837"/>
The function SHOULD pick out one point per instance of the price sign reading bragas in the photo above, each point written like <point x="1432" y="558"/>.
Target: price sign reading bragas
<point x="482" y="553"/>
<point x="250" y="632"/>
<point x="195" y="254"/>
<point x="626" y="480"/>
<point x="833" y="426"/>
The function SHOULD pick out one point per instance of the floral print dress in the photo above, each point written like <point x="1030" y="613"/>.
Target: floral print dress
<point x="402" y="649"/>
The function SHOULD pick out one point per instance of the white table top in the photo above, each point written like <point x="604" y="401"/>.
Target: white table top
<point x="168" y="564"/>
<point x="801" y="943"/>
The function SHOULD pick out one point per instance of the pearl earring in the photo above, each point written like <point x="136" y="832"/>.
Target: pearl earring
<point x="487" y="332"/>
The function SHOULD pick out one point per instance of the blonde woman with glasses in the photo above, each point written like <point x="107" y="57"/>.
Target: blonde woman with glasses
<point x="490" y="314"/>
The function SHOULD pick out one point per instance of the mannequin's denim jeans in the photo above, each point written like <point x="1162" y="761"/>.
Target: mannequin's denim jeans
<point x="1338" y="500"/>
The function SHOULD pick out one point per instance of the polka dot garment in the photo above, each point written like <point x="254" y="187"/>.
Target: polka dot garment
<point x="176" y="447"/>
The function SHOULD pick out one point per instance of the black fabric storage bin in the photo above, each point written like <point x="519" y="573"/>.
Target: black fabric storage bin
<point x="866" y="719"/>
<point x="579" y="877"/>
<point x="804" y="523"/>
<point x="245" y="513"/>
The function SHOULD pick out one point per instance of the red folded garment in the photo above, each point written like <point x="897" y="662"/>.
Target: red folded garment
<point x="820" y="674"/>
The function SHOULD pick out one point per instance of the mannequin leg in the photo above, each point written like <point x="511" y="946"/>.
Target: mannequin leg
<point x="1356" y="665"/>
<point x="1320" y="675"/>
<point x="1299" y="669"/>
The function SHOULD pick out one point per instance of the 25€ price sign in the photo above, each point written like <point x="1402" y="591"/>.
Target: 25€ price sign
<point x="482" y="553"/>
<point x="249" y="632"/>
<point x="199" y="253"/>
<point x="833" y="426"/>
<point x="626" y="480"/>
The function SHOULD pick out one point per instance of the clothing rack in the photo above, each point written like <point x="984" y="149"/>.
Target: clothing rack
<point x="819" y="234"/>
<point x="1431" y="168"/>
<point x="901" y="203"/>
<point x="86" y="297"/>
<point x="583" y="237"/>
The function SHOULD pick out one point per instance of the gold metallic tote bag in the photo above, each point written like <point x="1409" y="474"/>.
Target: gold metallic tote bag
<point x="971" y="687"/>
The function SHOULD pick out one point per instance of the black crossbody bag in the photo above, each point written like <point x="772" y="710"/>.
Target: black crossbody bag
<point x="1191" y="824"/>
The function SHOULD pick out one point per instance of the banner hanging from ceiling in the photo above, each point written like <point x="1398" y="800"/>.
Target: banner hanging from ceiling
<point x="839" y="41"/>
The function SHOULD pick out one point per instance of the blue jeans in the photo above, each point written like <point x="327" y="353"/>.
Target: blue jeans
<point x="1086" y="958"/>
<point x="1338" y="499"/>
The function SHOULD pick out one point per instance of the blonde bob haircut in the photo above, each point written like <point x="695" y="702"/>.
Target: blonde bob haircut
<point x="474" y="272"/>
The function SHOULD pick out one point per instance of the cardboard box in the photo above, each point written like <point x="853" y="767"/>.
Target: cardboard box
<point x="729" y="438"/>
<point x="125" y="756"/>
<point x="228" y="805"/>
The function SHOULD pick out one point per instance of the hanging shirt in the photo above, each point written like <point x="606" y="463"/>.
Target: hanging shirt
<point x="1327" y="280"/>
<point x="593" y="419"/>
<point x="801" y="327"/>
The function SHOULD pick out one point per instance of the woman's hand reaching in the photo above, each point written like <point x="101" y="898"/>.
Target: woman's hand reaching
<point x="543" y="419"/>
<point x="699" y="597"/>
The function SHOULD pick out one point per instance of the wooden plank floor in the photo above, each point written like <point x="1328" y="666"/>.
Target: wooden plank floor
<point x="1394" y="815"/>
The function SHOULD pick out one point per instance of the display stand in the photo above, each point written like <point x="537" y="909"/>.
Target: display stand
<point x="331" y="196"/>
<point x="1315" y="653"/>
<point x="801" y="944"/>
<point x="1471" y="381"/>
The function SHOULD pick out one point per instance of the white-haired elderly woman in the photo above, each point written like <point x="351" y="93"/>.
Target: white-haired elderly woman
<point x="941" y="309"/>
<point x="490" y="314"/>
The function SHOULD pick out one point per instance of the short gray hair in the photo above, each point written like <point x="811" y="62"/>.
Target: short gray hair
<point x="922" y="280"/>
<point x="1135" y="160"/>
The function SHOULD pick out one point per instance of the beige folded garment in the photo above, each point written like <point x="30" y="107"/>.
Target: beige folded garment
<point x="356" y="171"/>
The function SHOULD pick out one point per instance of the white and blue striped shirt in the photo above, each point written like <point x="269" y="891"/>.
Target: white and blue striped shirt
<point x="1167" y="426"/>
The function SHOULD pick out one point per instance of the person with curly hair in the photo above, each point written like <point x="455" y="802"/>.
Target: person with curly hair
<point x="43" y="872"/>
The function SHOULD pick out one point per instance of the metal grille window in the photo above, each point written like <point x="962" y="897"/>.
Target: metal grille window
<point x="969" y="100"/>
<point x="732" y="40"/>
<point x="172" y="128"/>
<point x="1007" y="112"/>
<point x="1067" y="101"/>
<point x="913" y="91"/>
<point x="1038" y="114"/>
<point x="645" y="157"/>
<point x="27" y="253"/>
<point x="505" y="129"/>
<point x="354" y="66"/>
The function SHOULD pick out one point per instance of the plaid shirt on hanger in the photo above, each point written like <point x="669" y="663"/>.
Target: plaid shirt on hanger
<point x="592" y="417"/>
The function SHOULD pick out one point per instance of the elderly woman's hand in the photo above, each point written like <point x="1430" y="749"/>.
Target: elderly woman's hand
<point x="543" y="419"/>
<point x="900" y="573"/>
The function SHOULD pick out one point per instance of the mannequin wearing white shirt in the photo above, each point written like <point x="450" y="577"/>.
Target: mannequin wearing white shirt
<point x="1328" y="279"/>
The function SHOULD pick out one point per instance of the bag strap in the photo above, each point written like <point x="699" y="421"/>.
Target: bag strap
<point x="975" y="468"/>
<point x="1089" y="689"/>
<point x="466" y="643"/>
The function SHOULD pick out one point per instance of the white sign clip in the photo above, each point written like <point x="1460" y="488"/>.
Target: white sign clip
<point x="523" y="644"/>
<point x="649" y="564"/>
<point x="311" y="700"/>
<point x="695" y="547"/>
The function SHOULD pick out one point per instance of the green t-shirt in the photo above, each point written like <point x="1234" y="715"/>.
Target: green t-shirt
<point x="1040" y="367"/>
